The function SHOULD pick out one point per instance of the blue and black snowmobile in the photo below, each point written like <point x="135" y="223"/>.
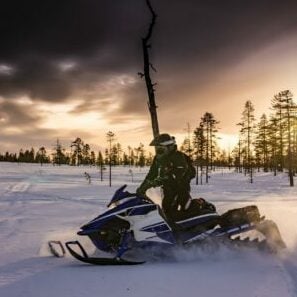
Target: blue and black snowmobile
<point x="135" y="222"/>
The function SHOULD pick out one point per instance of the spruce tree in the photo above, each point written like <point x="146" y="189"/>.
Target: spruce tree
<point x="247" y="131"/>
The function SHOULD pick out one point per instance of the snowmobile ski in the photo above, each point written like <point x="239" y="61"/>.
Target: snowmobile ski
<point x="97" y="261"/>
<point x="56" y="248"/>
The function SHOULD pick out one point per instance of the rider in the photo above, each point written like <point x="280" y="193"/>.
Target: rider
<point x="171" y="170"/>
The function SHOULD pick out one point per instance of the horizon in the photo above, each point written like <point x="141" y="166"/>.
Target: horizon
<point x="225" y="143"/>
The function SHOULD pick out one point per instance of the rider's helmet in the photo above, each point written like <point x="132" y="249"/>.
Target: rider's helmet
<point x="164" y="143"/>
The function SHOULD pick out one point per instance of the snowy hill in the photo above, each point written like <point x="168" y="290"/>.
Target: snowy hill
<point x="42" y="203"/>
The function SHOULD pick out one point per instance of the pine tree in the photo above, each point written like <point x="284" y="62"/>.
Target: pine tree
<point x="247" y="132"/>
<point x="285" y="110"/>
<point x="110" y="136"/>
<point x="262" y="142"/>
<point x="199" y="150"/>
<point x="289" y="108"/>
<point x="141" y="156"/>
<point x="130" y="155"/>
<point x="77" y="147"/>
<point x="58" y="155"/>
<point x="100" y="163"/>
<point x="92" y="158"/>
<point x="277" y="106"/>
<point x="210" y="127"/>
<point x="85" y="159"/>
<point x="41" y="156"/>
<point x="186" y="147"/>
<point x="273" y="144"/>
<point x="119" y="153"/>
<point x="21" y="156"/>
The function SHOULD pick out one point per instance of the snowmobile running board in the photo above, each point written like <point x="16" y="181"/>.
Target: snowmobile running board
<point x="94" y="260"/>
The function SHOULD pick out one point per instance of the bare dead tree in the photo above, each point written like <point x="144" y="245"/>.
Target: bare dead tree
<point x="147" y="65"/>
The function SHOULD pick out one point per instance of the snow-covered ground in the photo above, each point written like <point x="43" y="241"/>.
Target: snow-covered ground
<point x="41" y="203"/>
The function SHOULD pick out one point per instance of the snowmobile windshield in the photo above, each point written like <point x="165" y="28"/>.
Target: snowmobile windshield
<point x="120" y="196"/>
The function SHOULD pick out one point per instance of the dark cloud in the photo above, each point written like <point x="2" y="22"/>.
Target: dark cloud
<point x="13" y="114"/>
<point x="59" y="28"/>
<point x="104" y="37"/>
<point x="126" y="92"/>
<point x="134" y="98"/>
<point x="37" y="78"/>
<point x="207" y="30"/>
<point x="36" y="137"/>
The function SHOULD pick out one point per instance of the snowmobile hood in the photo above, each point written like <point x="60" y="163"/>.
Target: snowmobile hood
<point x="122" y="203"/>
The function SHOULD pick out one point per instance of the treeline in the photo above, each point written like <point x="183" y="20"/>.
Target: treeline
<point x="80" y="153"/>
<point x="201" y="145"/>
<point x="269" y="144"/>
<point x="27" y="156"/>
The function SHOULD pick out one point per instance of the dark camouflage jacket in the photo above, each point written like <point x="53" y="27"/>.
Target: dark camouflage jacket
<point x="174" y="170"/>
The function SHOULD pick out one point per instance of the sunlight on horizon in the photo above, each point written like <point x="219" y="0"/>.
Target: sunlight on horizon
<point x="227" y="141"/>
<point x="60" y="116"/>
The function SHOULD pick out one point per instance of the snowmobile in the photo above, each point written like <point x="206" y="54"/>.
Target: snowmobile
<point x="136" y="222"/>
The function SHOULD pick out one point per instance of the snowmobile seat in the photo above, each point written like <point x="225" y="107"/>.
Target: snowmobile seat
<point x="240" y="216"/>
<point x="197" y="207"/>
<point x="200" y="214"/>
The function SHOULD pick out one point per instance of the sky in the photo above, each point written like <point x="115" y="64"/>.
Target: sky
<point x="69" y="68"/>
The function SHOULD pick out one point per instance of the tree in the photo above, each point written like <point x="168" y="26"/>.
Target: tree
<point x="100" y="163"/>
<point x="285" y="110"/>
<point x="58" y="156"/>
<point x="247" y="132"/>
<point x="186" y="147"/>
<point x="209" y="125"/>
<point x="8" y="157"/>
<point x="92" y="158"/>
<point x="237" y="152"/>
<point x="41" y="156"/>
<point x="27" y="156"/>
<point x="110" y="136"/>
<point x="262" y="142"/>
<point x="277" y="106"/>
<point x="149" y="159"/>
<point x="77" y="146"/>
<point x="273" y="144"/>
<point x="289" y="107"/>
<point x="130" y="151"/>
<point x="118" y="153"/>
<point x="86" y="159"/>
<point x="141" y="156"/>
<point x="126" y="159"/>
<point x="21" y="156"/>
<point x="199" y="150"/>
<point x="31" y="156"/>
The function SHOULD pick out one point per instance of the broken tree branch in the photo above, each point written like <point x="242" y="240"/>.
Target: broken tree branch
<point x="146" y="73"/>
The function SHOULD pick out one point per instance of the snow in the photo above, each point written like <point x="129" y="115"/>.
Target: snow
<point x="42" y="203"/>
